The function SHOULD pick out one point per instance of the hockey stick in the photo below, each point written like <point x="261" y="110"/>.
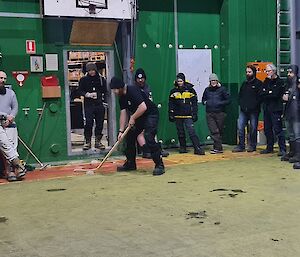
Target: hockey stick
<point x="108" y="154"/>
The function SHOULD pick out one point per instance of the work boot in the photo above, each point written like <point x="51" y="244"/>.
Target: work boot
<point x="291" y="152"/>
<point x="164" y="153"/>
<point x="296" y="166"/>
<point x="18" y="167"/>
<point x="238" y="149"/>
<point x="199" y="151"/>
<point x="127" y="166"/>
<point x="266" y="151"/>
<point x="159" y="165"/>
<point x="87" y="144"/>
<point x="146" y="152"/>
<point x="296" y="157"/>
<point x="251" y="149"/>
<point x="182" y="145"/>
<point x="98" y="143"/>
<point x="196" y="144"/>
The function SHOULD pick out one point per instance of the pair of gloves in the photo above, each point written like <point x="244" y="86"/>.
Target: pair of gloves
<point x="91" y="95"/>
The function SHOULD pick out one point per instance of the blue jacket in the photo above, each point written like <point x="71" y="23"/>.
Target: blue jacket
<point x="215" y="98"/>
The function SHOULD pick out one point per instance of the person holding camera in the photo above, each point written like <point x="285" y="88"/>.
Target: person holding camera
<point x="183" y="110"/>
<point x="8" y="131"/>
<point x="93" y="88"/>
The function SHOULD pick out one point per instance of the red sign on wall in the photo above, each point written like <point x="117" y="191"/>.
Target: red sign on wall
<point x="30" y="47"/>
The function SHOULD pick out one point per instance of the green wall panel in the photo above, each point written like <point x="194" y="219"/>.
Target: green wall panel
<point x="159" y="63"/>
<point x="18" y="6"/>
<point x="248" y="33"/>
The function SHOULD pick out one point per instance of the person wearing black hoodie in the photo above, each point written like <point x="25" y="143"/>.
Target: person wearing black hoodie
<point x="249" y="101"/>
<point x="292" y="114"/>
<point x="272" y="91"/>
<point x="215" y="98"/>
<point x="93" y="88"/>
<point x="140" y="81"/>
<point x="183" y="110"/>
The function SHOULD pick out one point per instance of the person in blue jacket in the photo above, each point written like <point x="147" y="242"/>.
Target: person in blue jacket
<point x="215" y="98"/>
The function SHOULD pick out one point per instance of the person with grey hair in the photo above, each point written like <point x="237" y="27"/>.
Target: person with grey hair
<point x="8" y="130"/>
<point x="271" y="93"/>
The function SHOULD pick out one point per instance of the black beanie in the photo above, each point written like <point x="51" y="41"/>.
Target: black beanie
<point x="253" y="68"/>
<point x="139" y="74"/>
<point x="181" y="76"/>
<point x="293" y="68"/>
<point x="116" y="83"/>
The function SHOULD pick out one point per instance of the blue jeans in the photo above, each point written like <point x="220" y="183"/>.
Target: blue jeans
<point x="273" y="128"/>
<point x="189" y="125"/>
<point x="244" y="118"/>
<point x="293" y="129"/>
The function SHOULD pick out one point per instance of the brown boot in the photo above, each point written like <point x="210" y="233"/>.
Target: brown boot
<point x="87" y="144"/>
<point x="98" y="143"/>
<point x="19" y="169"/>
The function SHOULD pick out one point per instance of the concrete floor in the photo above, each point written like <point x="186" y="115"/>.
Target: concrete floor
<point x="247" y="206"/>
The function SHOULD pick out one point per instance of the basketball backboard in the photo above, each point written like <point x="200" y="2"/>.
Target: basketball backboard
<point x="108" y="9"/>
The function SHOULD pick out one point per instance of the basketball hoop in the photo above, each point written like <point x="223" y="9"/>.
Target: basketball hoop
<point x="92" y="9"/>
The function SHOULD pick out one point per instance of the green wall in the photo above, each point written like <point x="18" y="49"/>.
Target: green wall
<point x="243" y="30"/>
<point x="248" y="33"/>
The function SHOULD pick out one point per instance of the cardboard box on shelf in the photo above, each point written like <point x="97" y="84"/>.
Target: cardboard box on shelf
<point x="51" y="92"/>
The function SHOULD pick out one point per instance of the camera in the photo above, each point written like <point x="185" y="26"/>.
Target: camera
<point x="2" y="117"/>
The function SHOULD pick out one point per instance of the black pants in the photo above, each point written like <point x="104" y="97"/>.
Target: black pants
<point x="273" y="128"/>
<point x="215" y="123"/>
<point x="149" y="124"/>
<point x="93" y="112"/>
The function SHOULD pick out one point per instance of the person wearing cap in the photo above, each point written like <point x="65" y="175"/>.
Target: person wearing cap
<point x="8" y="131"/>
<point x="215" y="98"/>
<point x="291" y="98"/>
<point x="93" y="88"/>
<point x="183" y="110"/>
<point x="143" y="116"/>
<point x="249" y="101"/>
<point x="272" y="91"/>
<point x="140" y="81"/>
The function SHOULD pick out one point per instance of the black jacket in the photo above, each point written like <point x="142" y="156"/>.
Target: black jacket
<point x="183" y="102"/>
<point x="215" y="99"/>
<point x="292" y="107"/>
<point x="271" y="93"/>
<point x="91" y="84"/>
<point x="249" y="96"/>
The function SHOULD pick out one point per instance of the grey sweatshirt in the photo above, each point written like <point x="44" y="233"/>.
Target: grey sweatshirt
<point x="8" y="103"/>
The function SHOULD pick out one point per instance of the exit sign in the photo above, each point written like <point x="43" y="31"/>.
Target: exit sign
<point x="30" y="47"/>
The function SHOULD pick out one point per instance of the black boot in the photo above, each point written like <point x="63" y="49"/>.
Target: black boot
<point x="159" y="165"/>
<point x="87" y="144"/>
<point x="296" y="157"/>
<point x="127" y="166"/>
<point x="197" y="148"/>
<point x="182" y="145"/>
<point x="296" y="166"/>
<point x="98" y="143"/>
<point x="146" y="152"/>
<point x="291" y="152"/>
<point x="164" y="153"/>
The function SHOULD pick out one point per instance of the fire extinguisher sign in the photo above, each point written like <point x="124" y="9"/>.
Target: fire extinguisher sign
<point x="30" y="47"/>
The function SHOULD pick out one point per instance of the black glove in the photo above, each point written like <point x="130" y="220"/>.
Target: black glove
<point x="195" y="117"/>
<point x="171" y="118"/>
